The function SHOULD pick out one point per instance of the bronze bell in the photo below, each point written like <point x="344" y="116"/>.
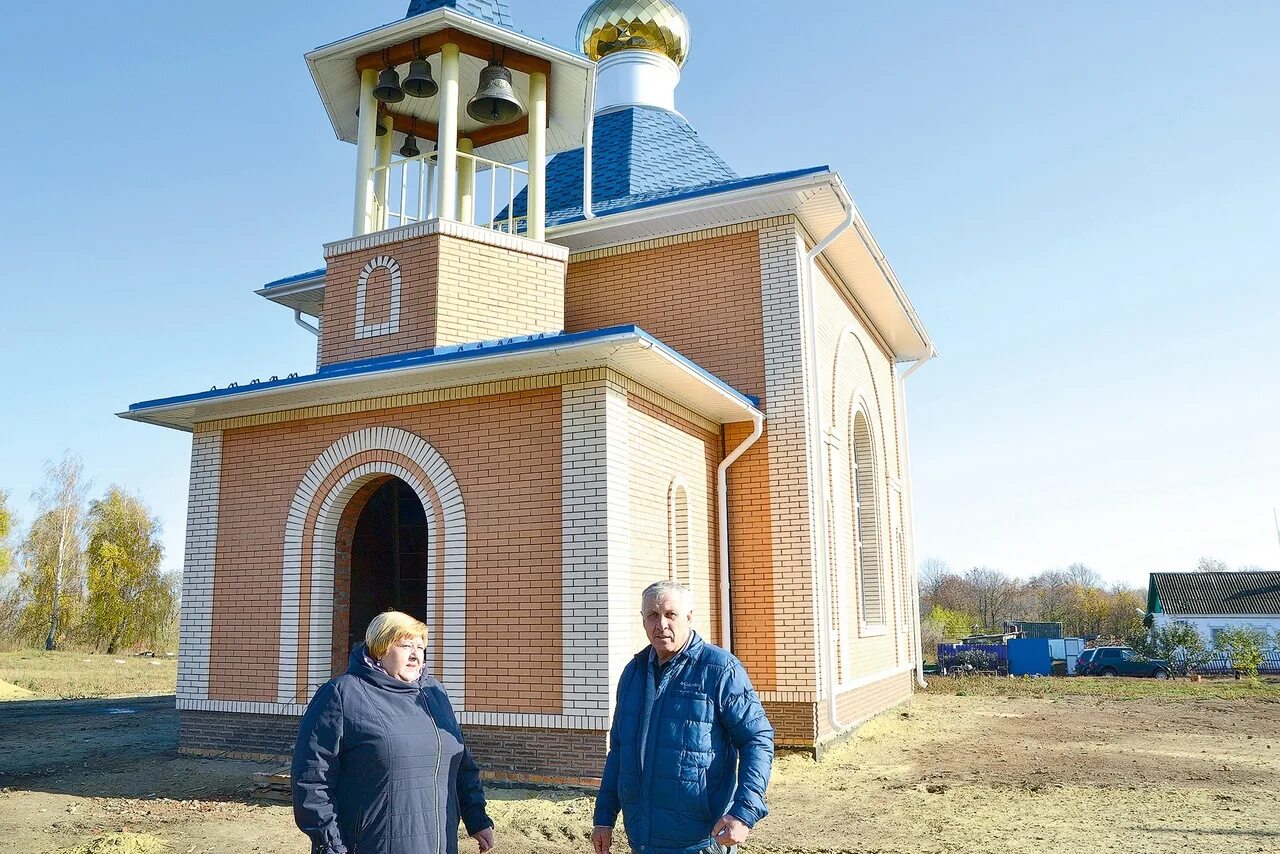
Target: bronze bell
<point x="388" y="90"/>
<point x="419" y="82"/>
<point x="495" y="101"/>
<point x="410" y="147"/>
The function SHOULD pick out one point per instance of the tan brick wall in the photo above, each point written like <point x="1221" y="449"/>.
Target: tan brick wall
<point x="488" y="292"/>
<point x="701" y="298"/>
<point x="863" y="703"/>
<point x="663" y="448"/>
<point x="504" y="451"/>
<point x="857" y="368"/>
<point x="454" y="290"/>
<point x="752" y="591"/>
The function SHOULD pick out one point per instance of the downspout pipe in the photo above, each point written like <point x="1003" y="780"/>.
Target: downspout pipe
<point x="297" y="318"/>
<point x="588" y="139"/>
<point x="817" y="484"/>
<point x="906" y="465"/>
<point x="722" y="490"/>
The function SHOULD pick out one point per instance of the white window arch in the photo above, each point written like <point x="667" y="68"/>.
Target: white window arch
<point x="865" y="521"/>
<point x="678" y="557"/>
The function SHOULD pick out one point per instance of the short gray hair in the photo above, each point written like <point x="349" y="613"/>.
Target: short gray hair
<point x="658" y="589"/>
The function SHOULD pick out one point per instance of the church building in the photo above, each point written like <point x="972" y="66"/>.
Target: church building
<point x="564" y="352"/>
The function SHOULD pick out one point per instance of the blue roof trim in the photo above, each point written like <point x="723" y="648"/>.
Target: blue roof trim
<point x="493" y="11"/>
<point x="445" y="355"/>
<point x="293" y="280"/>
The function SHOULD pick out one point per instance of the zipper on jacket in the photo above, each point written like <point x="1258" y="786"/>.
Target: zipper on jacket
<point x="436" y="778"/>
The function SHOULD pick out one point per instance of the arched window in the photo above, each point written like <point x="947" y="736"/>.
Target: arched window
<point x="678" y="533"/>
<point x="865" y="522"/>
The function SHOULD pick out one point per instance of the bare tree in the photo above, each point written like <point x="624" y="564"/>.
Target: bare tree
<point x="62" y="497"/>
<point x="1084" y="577"/>
<point x="1209" y="564"/>
<point x="995" y="594"/>
<point x="933" y="574"/>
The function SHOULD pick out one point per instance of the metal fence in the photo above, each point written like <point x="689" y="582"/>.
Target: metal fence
<point x="980" y="657"/>
<point x="1222" y="664"/>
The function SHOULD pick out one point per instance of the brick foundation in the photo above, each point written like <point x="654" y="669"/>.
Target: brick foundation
<point x="522" y="755"/>
<point x="794" y="724"/>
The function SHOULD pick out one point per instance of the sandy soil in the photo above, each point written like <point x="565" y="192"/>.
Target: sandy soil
<point x="944" y="774"/>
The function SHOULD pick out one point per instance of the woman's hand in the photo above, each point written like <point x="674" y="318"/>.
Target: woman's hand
<point x="485" y="838"/>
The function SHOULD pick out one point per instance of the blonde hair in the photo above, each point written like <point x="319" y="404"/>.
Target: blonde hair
<point x="389" y="627"/>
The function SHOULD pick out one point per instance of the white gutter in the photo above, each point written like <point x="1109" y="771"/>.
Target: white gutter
<point x="910" y="509"/>
<point x="588" y="137"/>
<point x="297" y="318"/>
<point x="722" y="494"/>
<point x="818" y="494"/>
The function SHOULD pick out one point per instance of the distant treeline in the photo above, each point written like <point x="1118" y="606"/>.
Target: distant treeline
<point x="84" y="572"/>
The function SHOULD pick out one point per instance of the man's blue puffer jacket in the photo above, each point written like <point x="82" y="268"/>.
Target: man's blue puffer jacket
<point x="706" y="752"/>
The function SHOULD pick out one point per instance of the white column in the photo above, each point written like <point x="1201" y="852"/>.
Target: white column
<point x="367" y="133"/>
<point x="537" y="195"/>
<point x="466" y="183"/>
<point x="382" y="183"/>
<point x="447" y="145"/>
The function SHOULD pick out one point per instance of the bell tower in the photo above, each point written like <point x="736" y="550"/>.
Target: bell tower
<point x="452" y="114"/>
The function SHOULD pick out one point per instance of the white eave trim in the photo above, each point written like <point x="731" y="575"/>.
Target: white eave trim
<point x="628" y="353"/>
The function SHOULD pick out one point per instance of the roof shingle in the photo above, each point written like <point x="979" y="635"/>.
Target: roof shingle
<point x="1218" y="593"/>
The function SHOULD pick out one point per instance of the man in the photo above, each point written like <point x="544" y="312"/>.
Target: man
<point x="690" y="748"/>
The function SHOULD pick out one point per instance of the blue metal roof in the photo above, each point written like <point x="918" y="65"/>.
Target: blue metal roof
<point x="493" y="11"/>
<point x="293" y="280"/>
<point x="444" y="355"/>
<point x="635" y="152"/>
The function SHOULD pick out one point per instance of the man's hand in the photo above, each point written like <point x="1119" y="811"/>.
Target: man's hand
<point x="485" y="838"/>
<point x="602" y="839"/>
<point x="730" y="831"/>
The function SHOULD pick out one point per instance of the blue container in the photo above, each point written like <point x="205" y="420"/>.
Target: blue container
<point x="1029" y="657"/>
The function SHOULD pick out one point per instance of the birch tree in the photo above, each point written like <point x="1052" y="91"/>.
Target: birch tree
<point x="130" y="600"/>
<point x="55" y="547"/>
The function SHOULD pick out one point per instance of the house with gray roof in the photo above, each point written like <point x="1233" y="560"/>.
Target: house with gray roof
<point x="1216" y="601"/>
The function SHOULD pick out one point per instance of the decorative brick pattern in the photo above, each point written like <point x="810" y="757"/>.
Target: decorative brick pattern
<point x="448" y="284"/>
<point x="433" y="480"/>
<point x="504" y="451"/>
<point x="198" y="565"/>
<point x="391" y="325"/>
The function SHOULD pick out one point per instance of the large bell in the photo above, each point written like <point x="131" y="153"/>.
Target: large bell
<point x="388" y="90"/>
<point x="419" y="82"/>
<point x="495" y="101"/>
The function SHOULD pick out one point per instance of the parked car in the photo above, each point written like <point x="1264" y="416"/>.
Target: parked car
<point x="1123" y="661"/>
<point x="1082" y="661"/>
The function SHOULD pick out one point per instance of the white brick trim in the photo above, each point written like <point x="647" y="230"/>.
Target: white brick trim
<point x="790" y="498"/>
<point x="392" y="324"/>
<point x="623" y="608"/>
<point x="448" y="228"/>
<point x="440" y="482"/>
<point x="196" y="625"/>
<point x="584" y="532"/>
<point x="503" y="719"/>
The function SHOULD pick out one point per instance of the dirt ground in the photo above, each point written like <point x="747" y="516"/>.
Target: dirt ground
<point x="945" y="773"/>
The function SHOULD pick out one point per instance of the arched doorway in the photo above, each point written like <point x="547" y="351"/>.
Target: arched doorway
<point x="389" y="557"/>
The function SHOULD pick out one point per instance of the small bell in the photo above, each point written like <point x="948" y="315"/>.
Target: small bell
<point x="381" y="128"/>
<point x="410" y="147"/>
<point x="388" y="90"/>
<point x="419" y="82"/>
<point x="495" y="101"/>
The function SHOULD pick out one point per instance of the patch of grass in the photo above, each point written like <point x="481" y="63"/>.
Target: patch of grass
<point x="71" y="675"/>
<point x="1267" y="689"/>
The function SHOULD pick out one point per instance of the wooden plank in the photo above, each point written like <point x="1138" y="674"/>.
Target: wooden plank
<point x="430" y="45"/>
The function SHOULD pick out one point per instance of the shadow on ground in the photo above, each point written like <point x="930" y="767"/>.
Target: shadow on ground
<point x="122" y="747"/>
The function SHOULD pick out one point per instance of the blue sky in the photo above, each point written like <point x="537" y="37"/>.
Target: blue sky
<point x="1079" y="198"/>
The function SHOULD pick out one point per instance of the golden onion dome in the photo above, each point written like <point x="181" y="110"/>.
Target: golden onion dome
<point x="613" y="25"/>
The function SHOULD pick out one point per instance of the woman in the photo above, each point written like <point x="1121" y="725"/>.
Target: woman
<point x="379" y="766"/>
